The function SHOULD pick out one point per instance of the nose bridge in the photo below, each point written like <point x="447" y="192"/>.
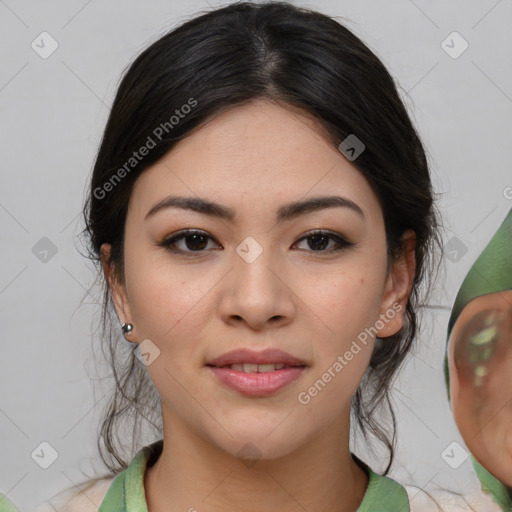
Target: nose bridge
<point x="256" y="292"/>
<point x="253" y="263"/>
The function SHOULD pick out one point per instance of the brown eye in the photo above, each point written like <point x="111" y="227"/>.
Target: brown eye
<point x="318" y="241"/>
<point x="194" y="241"/>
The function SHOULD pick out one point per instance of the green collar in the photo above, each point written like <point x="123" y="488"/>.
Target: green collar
<point x="492" y="486"/>
<point x="6" y="505"/>
<point x="491" y="272"/>
<point x="126" y="493"/>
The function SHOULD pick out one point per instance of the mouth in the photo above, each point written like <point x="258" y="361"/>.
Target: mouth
<point x="257" y="368"/>
<point x="257" y="374"/>
<point x="249" y="361"/>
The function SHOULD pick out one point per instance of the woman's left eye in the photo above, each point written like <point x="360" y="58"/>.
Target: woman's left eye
<point x="319" y="240"/>
<point x="197" y="241"/>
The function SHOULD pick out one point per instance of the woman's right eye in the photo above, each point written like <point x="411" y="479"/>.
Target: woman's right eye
<point x="193" y="241"/>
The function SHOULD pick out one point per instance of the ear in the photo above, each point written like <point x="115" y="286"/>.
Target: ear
<point x="116" y="286"/>
<point x="398" y="287"/>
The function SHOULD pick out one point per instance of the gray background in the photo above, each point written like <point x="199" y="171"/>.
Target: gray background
<point x="53" y="112"/>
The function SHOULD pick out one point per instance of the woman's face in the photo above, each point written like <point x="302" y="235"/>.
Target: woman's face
<point x="255" y="279"/>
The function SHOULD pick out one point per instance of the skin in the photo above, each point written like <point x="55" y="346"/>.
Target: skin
<point x="483" y="413"/>
<point x="311" y="303"/>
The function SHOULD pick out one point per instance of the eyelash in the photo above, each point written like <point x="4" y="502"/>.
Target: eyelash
<point x="170" y="242"/>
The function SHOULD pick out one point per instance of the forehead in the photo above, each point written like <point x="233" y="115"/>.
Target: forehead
<point x="262" y="151"/>
<point x="256" y="138"/>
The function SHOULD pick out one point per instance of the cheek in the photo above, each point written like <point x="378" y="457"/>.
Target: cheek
<point x="345" y="306"/>
<point x="345" y="301"/>
<point x="165" y="302"/>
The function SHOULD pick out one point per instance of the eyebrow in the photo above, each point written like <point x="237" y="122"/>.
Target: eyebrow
<point x="284" y="213"/>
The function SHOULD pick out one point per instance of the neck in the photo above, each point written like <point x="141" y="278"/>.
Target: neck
<point x="193" y="474"/>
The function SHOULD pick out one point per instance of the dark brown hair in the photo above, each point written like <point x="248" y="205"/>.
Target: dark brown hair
<point x="225" y="58"/>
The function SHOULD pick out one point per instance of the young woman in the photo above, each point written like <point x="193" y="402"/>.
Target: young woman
<point x="262" y="209"/>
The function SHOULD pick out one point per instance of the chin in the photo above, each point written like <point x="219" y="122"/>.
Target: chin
<point x="258" y="443"/>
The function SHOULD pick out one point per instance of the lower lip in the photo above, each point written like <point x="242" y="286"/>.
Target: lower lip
<point x="258" y="384"/>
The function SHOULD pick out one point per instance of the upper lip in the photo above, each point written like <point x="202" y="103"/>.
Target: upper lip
<point x="268" y="356"/>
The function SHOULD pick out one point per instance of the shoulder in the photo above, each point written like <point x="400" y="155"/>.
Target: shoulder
<point x="91" y="493"/>
<point x="446" y="501"/>
<point x="87" y="499"/>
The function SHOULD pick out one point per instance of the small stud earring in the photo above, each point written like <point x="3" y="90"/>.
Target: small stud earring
<point x="127" y="328"/>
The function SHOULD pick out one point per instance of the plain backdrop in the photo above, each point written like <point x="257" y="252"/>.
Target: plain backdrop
<point x="52" y="113"/>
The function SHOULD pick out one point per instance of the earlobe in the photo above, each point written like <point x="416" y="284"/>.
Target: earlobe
<point x="116" y="287"/>
<point x="398" y="287"/>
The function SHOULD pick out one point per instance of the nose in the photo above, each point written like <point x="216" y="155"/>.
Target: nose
<point x="258" y="293"/>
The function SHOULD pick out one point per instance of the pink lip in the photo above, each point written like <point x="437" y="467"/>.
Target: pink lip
<point x="254" y="383"/>
<point x="257" y="384"/>
<point x="268" y="356"/>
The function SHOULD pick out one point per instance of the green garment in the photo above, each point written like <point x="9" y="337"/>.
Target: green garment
<point x="491" y="273"/>
<point x="492" y="486"/>
<point x="6" y="505"/>
<point x="126" y="493"/>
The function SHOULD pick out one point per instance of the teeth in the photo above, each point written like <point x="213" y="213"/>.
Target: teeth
<point x="253" y="368"/>
<point x="262" y="368"/>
